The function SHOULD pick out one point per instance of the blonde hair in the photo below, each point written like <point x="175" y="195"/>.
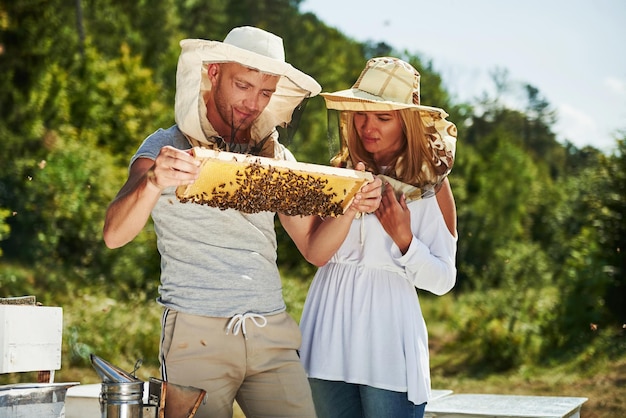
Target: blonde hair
<point x="414" y="163"/>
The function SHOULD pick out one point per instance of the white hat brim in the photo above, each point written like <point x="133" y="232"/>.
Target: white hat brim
<point x="215" y="52"/>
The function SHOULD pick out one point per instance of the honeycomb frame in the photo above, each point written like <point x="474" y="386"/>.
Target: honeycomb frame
<point x="253" y="184"/>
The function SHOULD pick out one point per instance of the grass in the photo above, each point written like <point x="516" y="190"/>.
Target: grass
<point x="604" y="386"/>
<point x="123" y="332"/>
<point x="590" y="374"/>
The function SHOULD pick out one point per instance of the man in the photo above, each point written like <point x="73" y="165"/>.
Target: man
<point x="224" y="326"/>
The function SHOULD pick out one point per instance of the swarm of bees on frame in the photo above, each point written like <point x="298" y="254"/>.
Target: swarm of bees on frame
<point x="258" y="188"/>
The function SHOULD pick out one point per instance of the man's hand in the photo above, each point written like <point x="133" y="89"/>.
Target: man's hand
<point x="173" y="167"/>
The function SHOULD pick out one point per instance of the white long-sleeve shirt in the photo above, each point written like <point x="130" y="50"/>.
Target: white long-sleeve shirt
<point x="362" y="322"/>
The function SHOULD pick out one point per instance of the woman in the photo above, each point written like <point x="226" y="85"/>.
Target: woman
<point x="365" y="344"/>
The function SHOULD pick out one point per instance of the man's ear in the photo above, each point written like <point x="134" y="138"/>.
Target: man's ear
<point x="212" y="72"/>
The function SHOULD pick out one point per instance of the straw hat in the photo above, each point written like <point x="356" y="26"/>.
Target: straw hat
<point x="248" y="46"/>
<point x="388" y="84"/>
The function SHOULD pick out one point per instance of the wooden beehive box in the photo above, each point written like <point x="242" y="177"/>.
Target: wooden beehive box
<point x="30" y="338"/>
<point x="254" y="184"/>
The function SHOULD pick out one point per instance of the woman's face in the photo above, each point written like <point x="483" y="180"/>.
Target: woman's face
<point x="381" y="134"/>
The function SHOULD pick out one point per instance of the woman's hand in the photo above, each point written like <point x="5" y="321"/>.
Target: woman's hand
<point x="368" y="198"/>
<point x="395" y="217"/>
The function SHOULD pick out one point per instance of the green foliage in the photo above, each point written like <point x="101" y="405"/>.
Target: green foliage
<point x="118" y="102"/>
<point x="203" y="19"/>
<point x="16" y="280"/>
<point x="147" y="27"/>
<point x="541" y="224"/>
<point x="520" y="193"/>
<point x="59" y="205"/>
<point x="120" y="332"/>
<point x="500" y="183"/>
<point x="502" y="325"/>
<point x="5" y="229"/>
<point x="592" y="264"/>
<point x="33" y="35"/>
<point x="295" y="288"/>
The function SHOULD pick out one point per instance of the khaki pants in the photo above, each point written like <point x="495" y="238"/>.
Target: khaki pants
<point x="261" y="369"/>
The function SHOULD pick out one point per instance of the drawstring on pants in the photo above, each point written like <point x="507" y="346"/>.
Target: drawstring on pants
<point x="239" y="322"/>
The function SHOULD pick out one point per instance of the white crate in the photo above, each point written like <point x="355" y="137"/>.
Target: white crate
<point x="504" y="406"/>
<point x="30" y="338"/>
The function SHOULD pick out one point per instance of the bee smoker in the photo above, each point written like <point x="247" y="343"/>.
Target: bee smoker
<point x="121" y="395"/>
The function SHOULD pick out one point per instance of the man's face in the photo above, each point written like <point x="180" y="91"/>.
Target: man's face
<point x="239" y="95"/>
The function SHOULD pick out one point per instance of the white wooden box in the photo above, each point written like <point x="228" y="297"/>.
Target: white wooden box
<point x="30" y="338"/>
<point x="504" y="406"/>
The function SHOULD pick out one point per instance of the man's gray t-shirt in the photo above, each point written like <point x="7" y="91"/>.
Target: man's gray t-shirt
<point x="213" y="262"/>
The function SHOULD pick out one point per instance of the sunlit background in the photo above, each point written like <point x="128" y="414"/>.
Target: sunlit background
<point x="571" y="50"/>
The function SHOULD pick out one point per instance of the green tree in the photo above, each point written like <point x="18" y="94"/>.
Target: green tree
<point x="148" y="28"/>
<point x="501" y="181"/>
<point x="613" y="227"/>
<point x="61" y="181"/>
<point x="118" y="102"/>
<point x="541" y="224"/>
<point x="587" y="240"/>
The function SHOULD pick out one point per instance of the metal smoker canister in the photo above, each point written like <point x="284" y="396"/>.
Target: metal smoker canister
<point x="121" y="395"/>
<point x="121" y="400"/>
